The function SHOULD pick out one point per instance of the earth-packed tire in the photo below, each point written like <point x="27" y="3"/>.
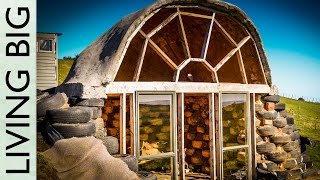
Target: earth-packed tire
<point x="265" y="147"/>
<point x="270" y="115"/>
<point x="267" y="165"/>
<point x="75" y="130"/>
<point x="111" y="144"/>
<point x="258" y="138"/>
<point x="96" y="112"/>
<point x="283" y="113"/>
<point x="277" y="156"/>
<point x="303" y="166"/>
<point x="145" y="175"/>
<point x="295" y="153"/>
<point x="309" y="164"/>
<point x="54" y="101"/>
<point x="295" y="173"/>
<point x="306" y="157"/>
<point x="280" y="138"/>
<point x="288" y="129"/>
<point x="280" y="107"/>
<point x="93" y="102"/>
<point x="69" y="115"/>
<point x="282" y="174"/>
<point x="295" y="135"/>
<point x="42" y="95"/>
<point x="280" y="122"/>
<point x="290" y="146"/>
<point x="290" y="163"/>
<point x="130" y="160"/>
<point x="290" y="120"/>
<point x="99" y="123"/>
<point x="272" y="98"/>
<point x="267" y="130"/>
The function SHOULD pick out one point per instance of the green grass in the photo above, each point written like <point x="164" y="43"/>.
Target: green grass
<point x="307" y="120"/>
<point x="63" y="69"/>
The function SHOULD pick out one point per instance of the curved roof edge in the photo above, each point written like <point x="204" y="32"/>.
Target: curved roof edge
<point x="97" y="65"/>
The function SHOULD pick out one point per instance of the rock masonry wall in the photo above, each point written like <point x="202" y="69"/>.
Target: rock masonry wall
<point x="278" y="141"/>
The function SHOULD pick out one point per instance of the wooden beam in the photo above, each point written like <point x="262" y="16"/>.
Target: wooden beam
<point x="181" y="155"/>
<point x="216" y="76"/>
<point x="134" y="33"/>
<point x="158" y="50"/>
<point x="207" y="39"/>
<point x="133" y="147"/>
<point x="231" y="53"/>
<point x="184" y="34"/>
<point x="186" y="87"/>
<point x="212" y="132"/>
<point x="123" y="146"/>
<point x="140" y="63"/>
<point x="164" y="23"/>
<point x="195" y="15"/>
<point x="219" y="135"/>
<point x="225" y="33"/>
<point x="262" y="68"/>
<point x="241" y="66"/>
<point x="253" y="136"/>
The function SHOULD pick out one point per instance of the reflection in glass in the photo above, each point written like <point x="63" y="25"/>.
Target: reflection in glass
<point x="158" y="165"/>
<point x="235" y="164"/>
<point x="154" y="124"/>
<point x="45" y="45"/>
<point x="233" y="119"/>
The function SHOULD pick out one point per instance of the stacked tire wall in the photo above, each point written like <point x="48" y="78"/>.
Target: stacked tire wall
<point x="277" y="140"/>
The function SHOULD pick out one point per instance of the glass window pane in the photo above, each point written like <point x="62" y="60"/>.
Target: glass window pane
<point x="234" y="120"/>
<point x="154" y="124"/>
<point x="235" y="164"/>
<point x="45" y="45"/>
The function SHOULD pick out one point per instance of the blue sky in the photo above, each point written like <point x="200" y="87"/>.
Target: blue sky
<point x="289" y="31"/>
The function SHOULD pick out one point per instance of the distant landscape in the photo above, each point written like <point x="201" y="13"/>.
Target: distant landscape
<point x="307" y="120"/>
<point x="64" y="66"/>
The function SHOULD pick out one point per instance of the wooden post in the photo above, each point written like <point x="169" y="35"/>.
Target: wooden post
<point x="184" y="34"/>
<point x="123" y="123"/>
<point x="253" y="138"/>
<point x="219" y="142"/>
<point x="132" y="124"/>
<point x="141" y="58"/>
<point x="212" y="132"/>
<point x="181" y="155"/>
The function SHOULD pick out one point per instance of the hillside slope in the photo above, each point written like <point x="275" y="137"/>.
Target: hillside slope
<point x="63" y="69"/>
<point x="307" y="120"/>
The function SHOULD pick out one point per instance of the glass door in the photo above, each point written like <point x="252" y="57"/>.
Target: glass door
<point x="235" y="136"/>
<point x="156" y="131"/>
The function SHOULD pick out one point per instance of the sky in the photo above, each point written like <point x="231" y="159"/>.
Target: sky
<point x="289" y="32"/>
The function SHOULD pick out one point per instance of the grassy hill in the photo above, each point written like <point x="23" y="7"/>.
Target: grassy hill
<point x="64" y="66"/>
<point x="307" y="120"/>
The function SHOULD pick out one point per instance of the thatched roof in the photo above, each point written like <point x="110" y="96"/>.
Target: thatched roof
<point x="97" y="65"/>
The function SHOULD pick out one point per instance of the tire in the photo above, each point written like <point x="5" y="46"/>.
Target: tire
<point x="309" y="164"/>
<point x="290" y="120"/>
<point x="280" y="107"/>
<point x="93" y="102"/>
<point x="75" y="130"/>
<point x="288" y="129"/>
<point x="282" y="174"/>
<point x="295" y="173"/>
<point x="280" y="139"/>
<point x="277" y="156"/>
<point x="273" y="98"/>
<point x="295" y="135"/>
<point x="306" y="157"/>
<point x="280" y="122"/>
<point x="271" y="115"/>
<point x="267" y="165"/>
<point x="144" y="175"/>
<point x="265" y="148"/>
<point x="294" y="154"/>
<point x="54" y="101"/>
<point x="130" y="160"/>
<point x="50" y="134"/>
<point x="95" y="112"/>
<point x="111" y="144"/>
<point x="267" y="130"/>
<point x="71" y="115"/>
<point x="284" y="114"/>
<point x="290" y="146"/>
<point x="42" y="95"/>
<point x="290" y="163"/>
<point x="99" y="123"/>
